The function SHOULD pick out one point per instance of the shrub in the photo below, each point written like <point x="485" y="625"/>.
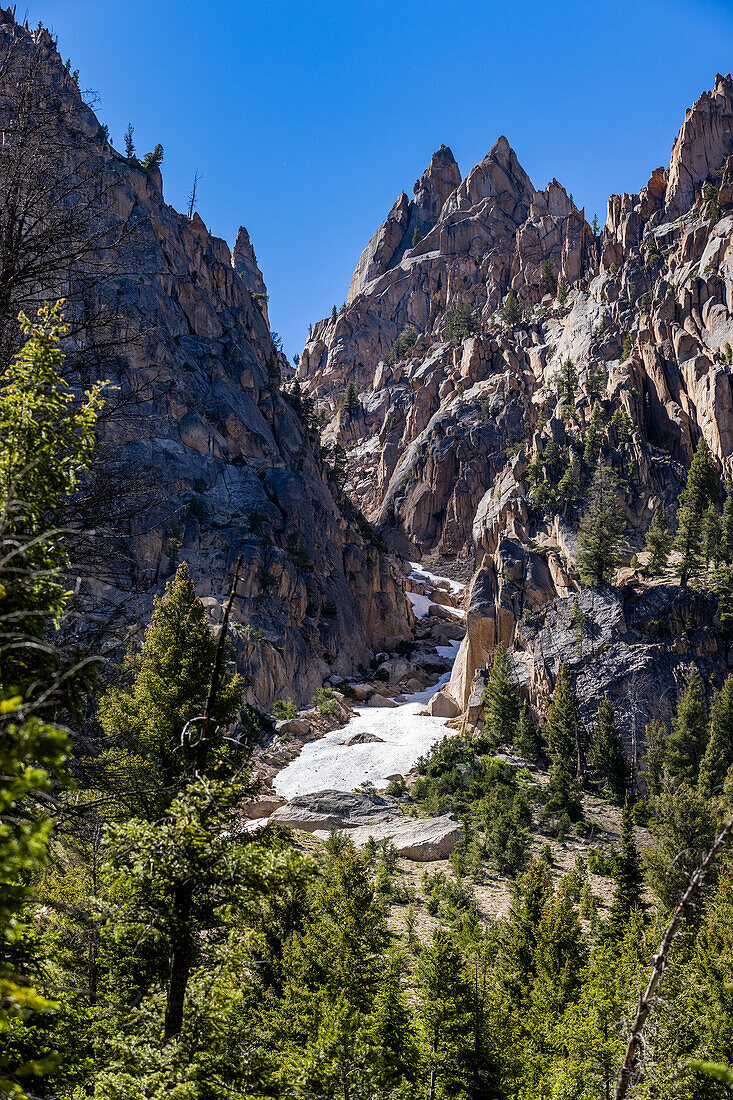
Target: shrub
<point x="406" y="340"/>
<point x="284" y="709"/>
<point x="324" y="701"/>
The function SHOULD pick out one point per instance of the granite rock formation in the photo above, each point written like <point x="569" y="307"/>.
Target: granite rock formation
<point x="465" y="427"/>
<point x="235" y="467"/>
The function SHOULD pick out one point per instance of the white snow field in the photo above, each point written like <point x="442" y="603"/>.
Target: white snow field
<point x="330" y="764"/>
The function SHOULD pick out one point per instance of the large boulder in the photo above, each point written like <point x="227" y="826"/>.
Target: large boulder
<point x="336" y="810"/>
<point x="443" y="705"/>
<point x="421" y="839"/>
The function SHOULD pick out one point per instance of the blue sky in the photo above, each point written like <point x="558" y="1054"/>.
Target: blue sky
<point x="306" y="119"/>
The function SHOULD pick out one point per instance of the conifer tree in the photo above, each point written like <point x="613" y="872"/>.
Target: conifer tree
<point x="719" y="751"/>
<point x="606" y="756"/>
<point x="562" y="290"/>
<point x="726" y="534"/>
<point x="567" y="382"/>
<point x="511" y="311"/>
<point x="658" y="540"/>
<point x="532" y="893"/>
<point x="699" y="492"/>
<point x="594" y="437"/>
<point x="601" y="529"/>
<point x="527" y="739"/>
<point x="350" y="403"/>
<point x="561" y="954"/>
<point x="444" y="1013"/>
<point x="687" y="742"/>
<point x="711" y="536"/>
<point x="501" y="702"/>
<point x="655" y="739"/>
<point x="395" y="1042"/>
<point x="416" y="236"/>
<point x="628" y="894"/>
<point x="145" y="758"/>
<point x="548" y="281"/>
<point x="563" y="729"/>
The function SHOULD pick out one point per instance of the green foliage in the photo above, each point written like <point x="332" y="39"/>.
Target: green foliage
<point x="324" y="701"/>
<point x="145" y="757"/>
<point x="601" y="529"/>
<point x="562" y="290"/>
<point x="548" y="279"/>
<point x="700" y="491"/>
<point x="658" y="541"/>
<point x="151" y="162"/>
<point x="47" y="443"/>
<point x="683" y="830"/>
<point x="460" y="322"/>
<point x="686" y="743"/>
<point x="527" y="739"/>
<point x="350" y="403"/>
<point x="655" y="738"/>
<point x="406" y="340"/>
<point x="627" y="347"/>
<point x="501" y="702"/>
<point x="416" y="236"/>
<point x="129" y="142"/>
<point x="606" y="756"/>
<point x="284" y="710"/>
<point x="718" y="756"/>
<point x="511" y="311"/>
<point x="628" y="894"/>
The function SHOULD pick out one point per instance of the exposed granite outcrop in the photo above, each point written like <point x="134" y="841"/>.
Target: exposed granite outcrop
<point x="236" y="470"/>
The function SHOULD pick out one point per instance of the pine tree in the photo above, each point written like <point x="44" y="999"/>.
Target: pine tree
<point x="562" y="290"/>
<point x="628" y="894"/>
<point x="548" y="281"/>
<point x="721" y="584"/>
<point x="350" y="403"/>
<point x="532" y="893"/>
<point x="606" y="756"/>
<point x="655" y="747"/>
<point x="569" y="487"/>
<point x="333" y="313"/>
<point x="658" y="541"/>
<point x="719" y="751"/>
<point x="444" y="1013"/>
<point x="561" y="954"/>
<point x="145" y="758"/>
<point x="699" y="492"/>
<point x="527" y="739"/>
<point x="601" y="529"/>
<point x="687" y="742"/>
<point x="726" y="535"/>
<point x="563" y="729"/>
<point x="511" y="312"/>
<point x="416" y="236"/>
<point x="628" y="346"/>
<point x="129" y="143"/>
<point x="594" y="437"/>
<point x="393" y="1034"/>
<point x="711" y="536"/>
<point x="501" y="702"/>
<point x="567" y="382"/>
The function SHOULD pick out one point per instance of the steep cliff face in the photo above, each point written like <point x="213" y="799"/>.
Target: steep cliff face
<point x="454" y="448"/>
<point x="235" y="466"/>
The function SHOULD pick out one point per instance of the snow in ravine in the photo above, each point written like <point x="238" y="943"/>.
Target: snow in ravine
<point x="406" y="735"/>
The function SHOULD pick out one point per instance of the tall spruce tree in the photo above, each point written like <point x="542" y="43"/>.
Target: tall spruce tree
<point x="548" y="280"/>
<point x="445" y="1016"/>
<point x="601" y="529"/>
<point x="511" y="310"/>
<point x="700" y="491"/>
<point x="719" y="751"/>
<point x="501" y="702"/>
<point x="658" y="541"/>
<point x="144" y="758"/>
<point x="607" y="757"/>
<point x="350" y="403"/>
<point x="686" y="744"/>
<point x="527" y="739"/>
<point x="726" y="534"/>
<point x="628" y="894"/>
<point x="563" y="729"/>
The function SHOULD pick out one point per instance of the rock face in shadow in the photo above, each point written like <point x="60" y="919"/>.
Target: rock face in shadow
<point x="231" y="466"/>
<point x="466" y="443"/>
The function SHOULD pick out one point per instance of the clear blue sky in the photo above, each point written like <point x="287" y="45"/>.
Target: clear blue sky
<point x="306" y="119"/>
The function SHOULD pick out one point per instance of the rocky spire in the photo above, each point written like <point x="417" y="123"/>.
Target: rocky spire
<point x="702" y="146"/>
<point x="244" y="263"/>
<point x="499" y="177"/>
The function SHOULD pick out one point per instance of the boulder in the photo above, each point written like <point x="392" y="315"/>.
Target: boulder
<point x="443" y="705"/>
<point x="364" y="738"/>
<point x="336" y="810"/>
<point x="378" y="700"/>
<point x="296" y="727"/>
<point x="420" y="839"/>
<point x="262" y="807"/>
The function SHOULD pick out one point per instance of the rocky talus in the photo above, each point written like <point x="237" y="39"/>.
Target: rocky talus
<point x="231" y="466"/>
<point x="469" y="437"/>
